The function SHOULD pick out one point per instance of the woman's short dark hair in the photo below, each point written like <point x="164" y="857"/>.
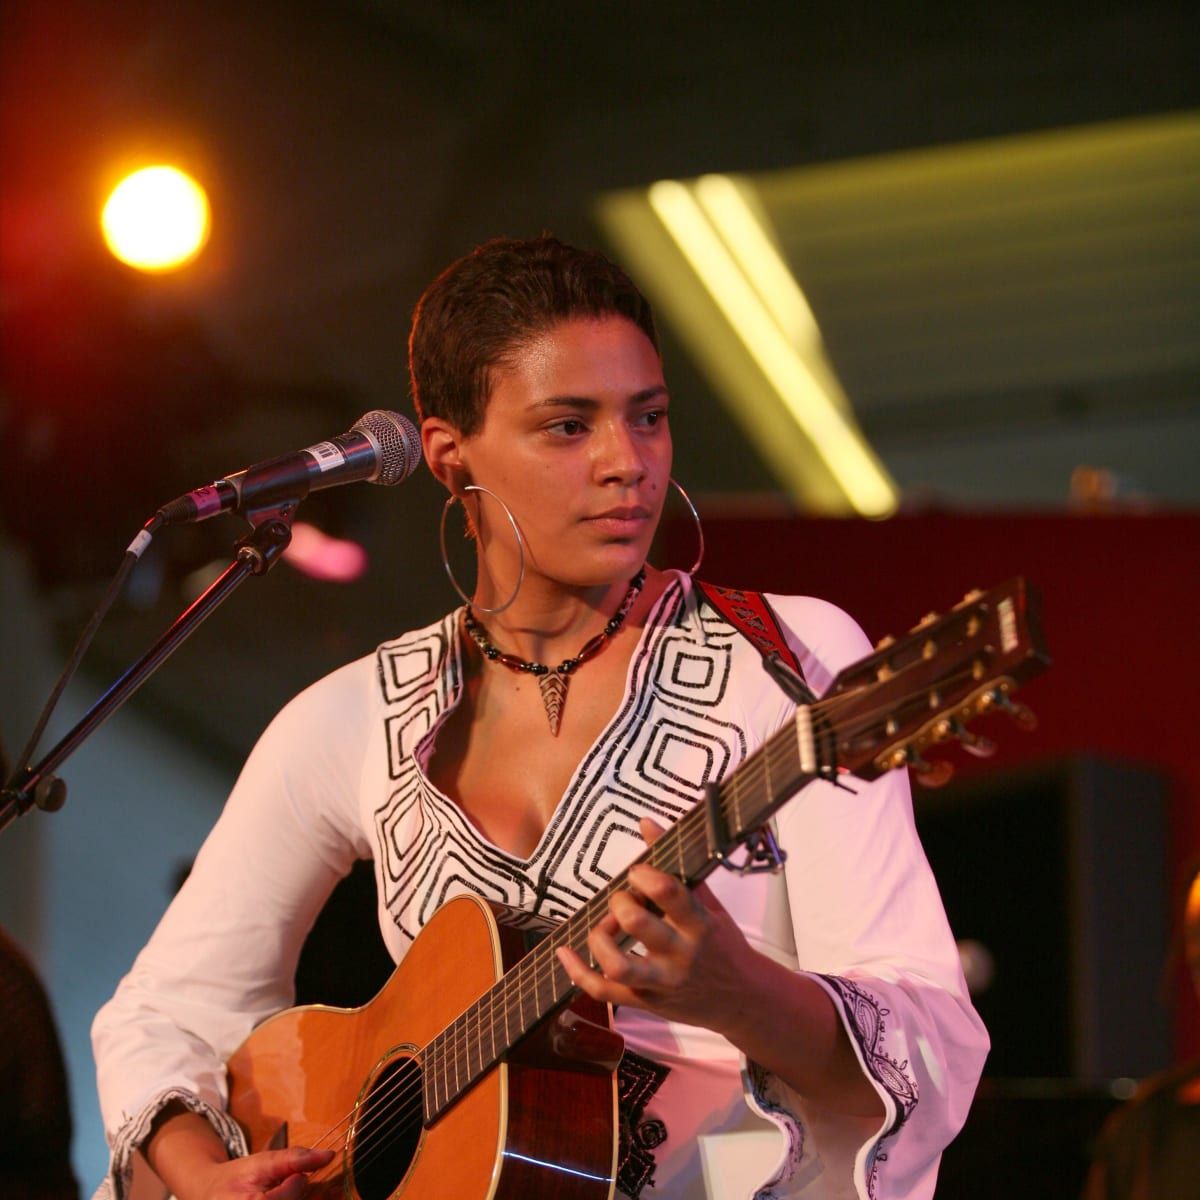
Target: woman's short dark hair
<point x="491" y="302"/>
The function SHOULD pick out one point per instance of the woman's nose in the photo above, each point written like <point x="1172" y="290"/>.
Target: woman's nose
<point x="618" y="455"/>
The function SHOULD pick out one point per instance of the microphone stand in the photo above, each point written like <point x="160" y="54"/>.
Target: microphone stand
<point x="256" y="554"/>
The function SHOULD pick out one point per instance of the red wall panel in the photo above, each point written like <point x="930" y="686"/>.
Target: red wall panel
<point x="1121" y="607"/>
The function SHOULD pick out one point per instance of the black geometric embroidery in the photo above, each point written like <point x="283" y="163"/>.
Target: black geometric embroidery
<point x="660" y="748"/>
<point x="638" y="1079"/>
<point x="866" y="1017"/>
<point x="703" y="669"/>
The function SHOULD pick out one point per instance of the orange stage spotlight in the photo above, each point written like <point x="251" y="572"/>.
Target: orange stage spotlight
<point x="156" y="219"/>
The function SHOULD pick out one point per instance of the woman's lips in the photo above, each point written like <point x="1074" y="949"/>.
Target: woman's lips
<point x="621" y="521"/>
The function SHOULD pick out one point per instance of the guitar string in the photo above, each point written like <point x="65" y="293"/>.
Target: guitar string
<point x="381" y="1108"/>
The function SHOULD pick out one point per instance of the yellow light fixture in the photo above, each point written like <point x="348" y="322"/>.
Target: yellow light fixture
<point x="156" y="219"/>
<point x="767" y="349"/>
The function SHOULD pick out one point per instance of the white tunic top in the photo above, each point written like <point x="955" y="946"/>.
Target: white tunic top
<point x="340" y="775"/>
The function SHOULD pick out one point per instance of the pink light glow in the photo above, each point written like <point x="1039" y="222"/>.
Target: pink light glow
<point x="320" y="556"/>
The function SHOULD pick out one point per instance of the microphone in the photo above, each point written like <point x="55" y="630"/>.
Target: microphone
<point x="380" y="447"/>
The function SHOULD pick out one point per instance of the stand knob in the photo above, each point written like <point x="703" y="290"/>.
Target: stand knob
<point x="50" y="794"/>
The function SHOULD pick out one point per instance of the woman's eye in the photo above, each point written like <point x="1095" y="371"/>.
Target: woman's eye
<point x="654" y="416"/>
<point x="570" y="427"/>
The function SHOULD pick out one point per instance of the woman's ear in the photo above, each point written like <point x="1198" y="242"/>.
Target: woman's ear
<point x="442" y="445"/>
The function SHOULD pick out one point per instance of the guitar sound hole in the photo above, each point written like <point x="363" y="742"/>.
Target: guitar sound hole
<point x="387" y="1130"/>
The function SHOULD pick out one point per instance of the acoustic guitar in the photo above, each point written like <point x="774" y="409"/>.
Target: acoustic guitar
<point x="479" y="1072"/>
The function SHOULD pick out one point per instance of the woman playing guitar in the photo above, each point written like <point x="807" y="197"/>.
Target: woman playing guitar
<point x="804" y="1033"/>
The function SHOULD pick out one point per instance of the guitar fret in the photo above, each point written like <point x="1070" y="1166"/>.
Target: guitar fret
<point x="804" y="740"/>
<point x="696" y="840"/>
<point x="539" y="982"/>
<point x="492" y="1030"/>
<point x="547" y="985"/>
<point x="523" y="995"/>
<point x="691" y="854"/>
<point x="439" y="1076"/>
<point x="486" y="1025"/>
<point x="504" y="1008"/>
<point x="447" y="1056"/>
<point x="793" y="745"/>
<point x="514" y="1001"/>
<point x="475" y="1040"/>
<point x="463" y="1050"/>
<point x="777" y="761"/>
<point x="454" y="1026"/>
<point x="519" y="997"/>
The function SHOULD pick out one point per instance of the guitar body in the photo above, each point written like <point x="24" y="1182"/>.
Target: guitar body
<point x="541" y="1123"/>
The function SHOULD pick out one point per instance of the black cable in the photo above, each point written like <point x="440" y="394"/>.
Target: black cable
<point x="133" y="553"/>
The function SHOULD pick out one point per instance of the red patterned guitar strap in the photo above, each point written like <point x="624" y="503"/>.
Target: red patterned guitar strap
<point x="751" y="615"/>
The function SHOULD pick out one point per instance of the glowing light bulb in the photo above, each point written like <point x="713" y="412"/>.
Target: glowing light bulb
<point x="156" y="219"/>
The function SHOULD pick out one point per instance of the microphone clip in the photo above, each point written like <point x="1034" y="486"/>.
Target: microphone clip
<point x="270" y="536"/>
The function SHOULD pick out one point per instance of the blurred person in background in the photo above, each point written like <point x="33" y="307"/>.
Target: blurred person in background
<point x="1150" y="1148"/>
<point x="35" y="1151"/>
<point x="35" y="1107"/>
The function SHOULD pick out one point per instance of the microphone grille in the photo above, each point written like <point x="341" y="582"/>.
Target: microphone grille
<point x="399" y="444"/>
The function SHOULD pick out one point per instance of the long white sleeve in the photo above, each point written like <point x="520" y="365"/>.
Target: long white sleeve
<point x="869" y="923"/>
<point x="224" y="955"/>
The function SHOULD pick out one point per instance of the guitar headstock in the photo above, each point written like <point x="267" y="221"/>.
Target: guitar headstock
<point x="927" y="686"/>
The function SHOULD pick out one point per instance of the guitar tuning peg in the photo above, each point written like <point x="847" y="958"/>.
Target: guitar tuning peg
<point x="928" y="619"/>
<point x="931" y="774"/>
<point x="973" y="743"/>
<point x="970" y="598"/>
<point x="884" y="642"/>
<point x="1024" y="716"/>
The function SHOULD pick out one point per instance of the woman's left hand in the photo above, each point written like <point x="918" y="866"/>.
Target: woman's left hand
<point x="696" y="964"/>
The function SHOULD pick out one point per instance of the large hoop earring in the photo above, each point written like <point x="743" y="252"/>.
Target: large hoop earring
<point x="474" y="487"/>
<point x="699" y="528"/>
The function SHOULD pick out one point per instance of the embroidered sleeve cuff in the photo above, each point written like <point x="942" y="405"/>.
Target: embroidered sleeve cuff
<point x="818" y="1142"/>
<point x="134" y="1132"/>
<point x="865" y="1020"/>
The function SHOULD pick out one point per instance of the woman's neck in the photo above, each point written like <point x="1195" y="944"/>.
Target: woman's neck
<point x="549" y="622"/>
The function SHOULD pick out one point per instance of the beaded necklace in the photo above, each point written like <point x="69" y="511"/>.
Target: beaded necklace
<point x="553" y="681"/>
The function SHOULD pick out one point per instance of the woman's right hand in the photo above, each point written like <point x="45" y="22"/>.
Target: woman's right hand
<point x="269" y="1175"/>
<point x="187" y="1155"/>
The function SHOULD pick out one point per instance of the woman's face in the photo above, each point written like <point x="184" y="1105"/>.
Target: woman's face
<point x="575" y="441"/>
